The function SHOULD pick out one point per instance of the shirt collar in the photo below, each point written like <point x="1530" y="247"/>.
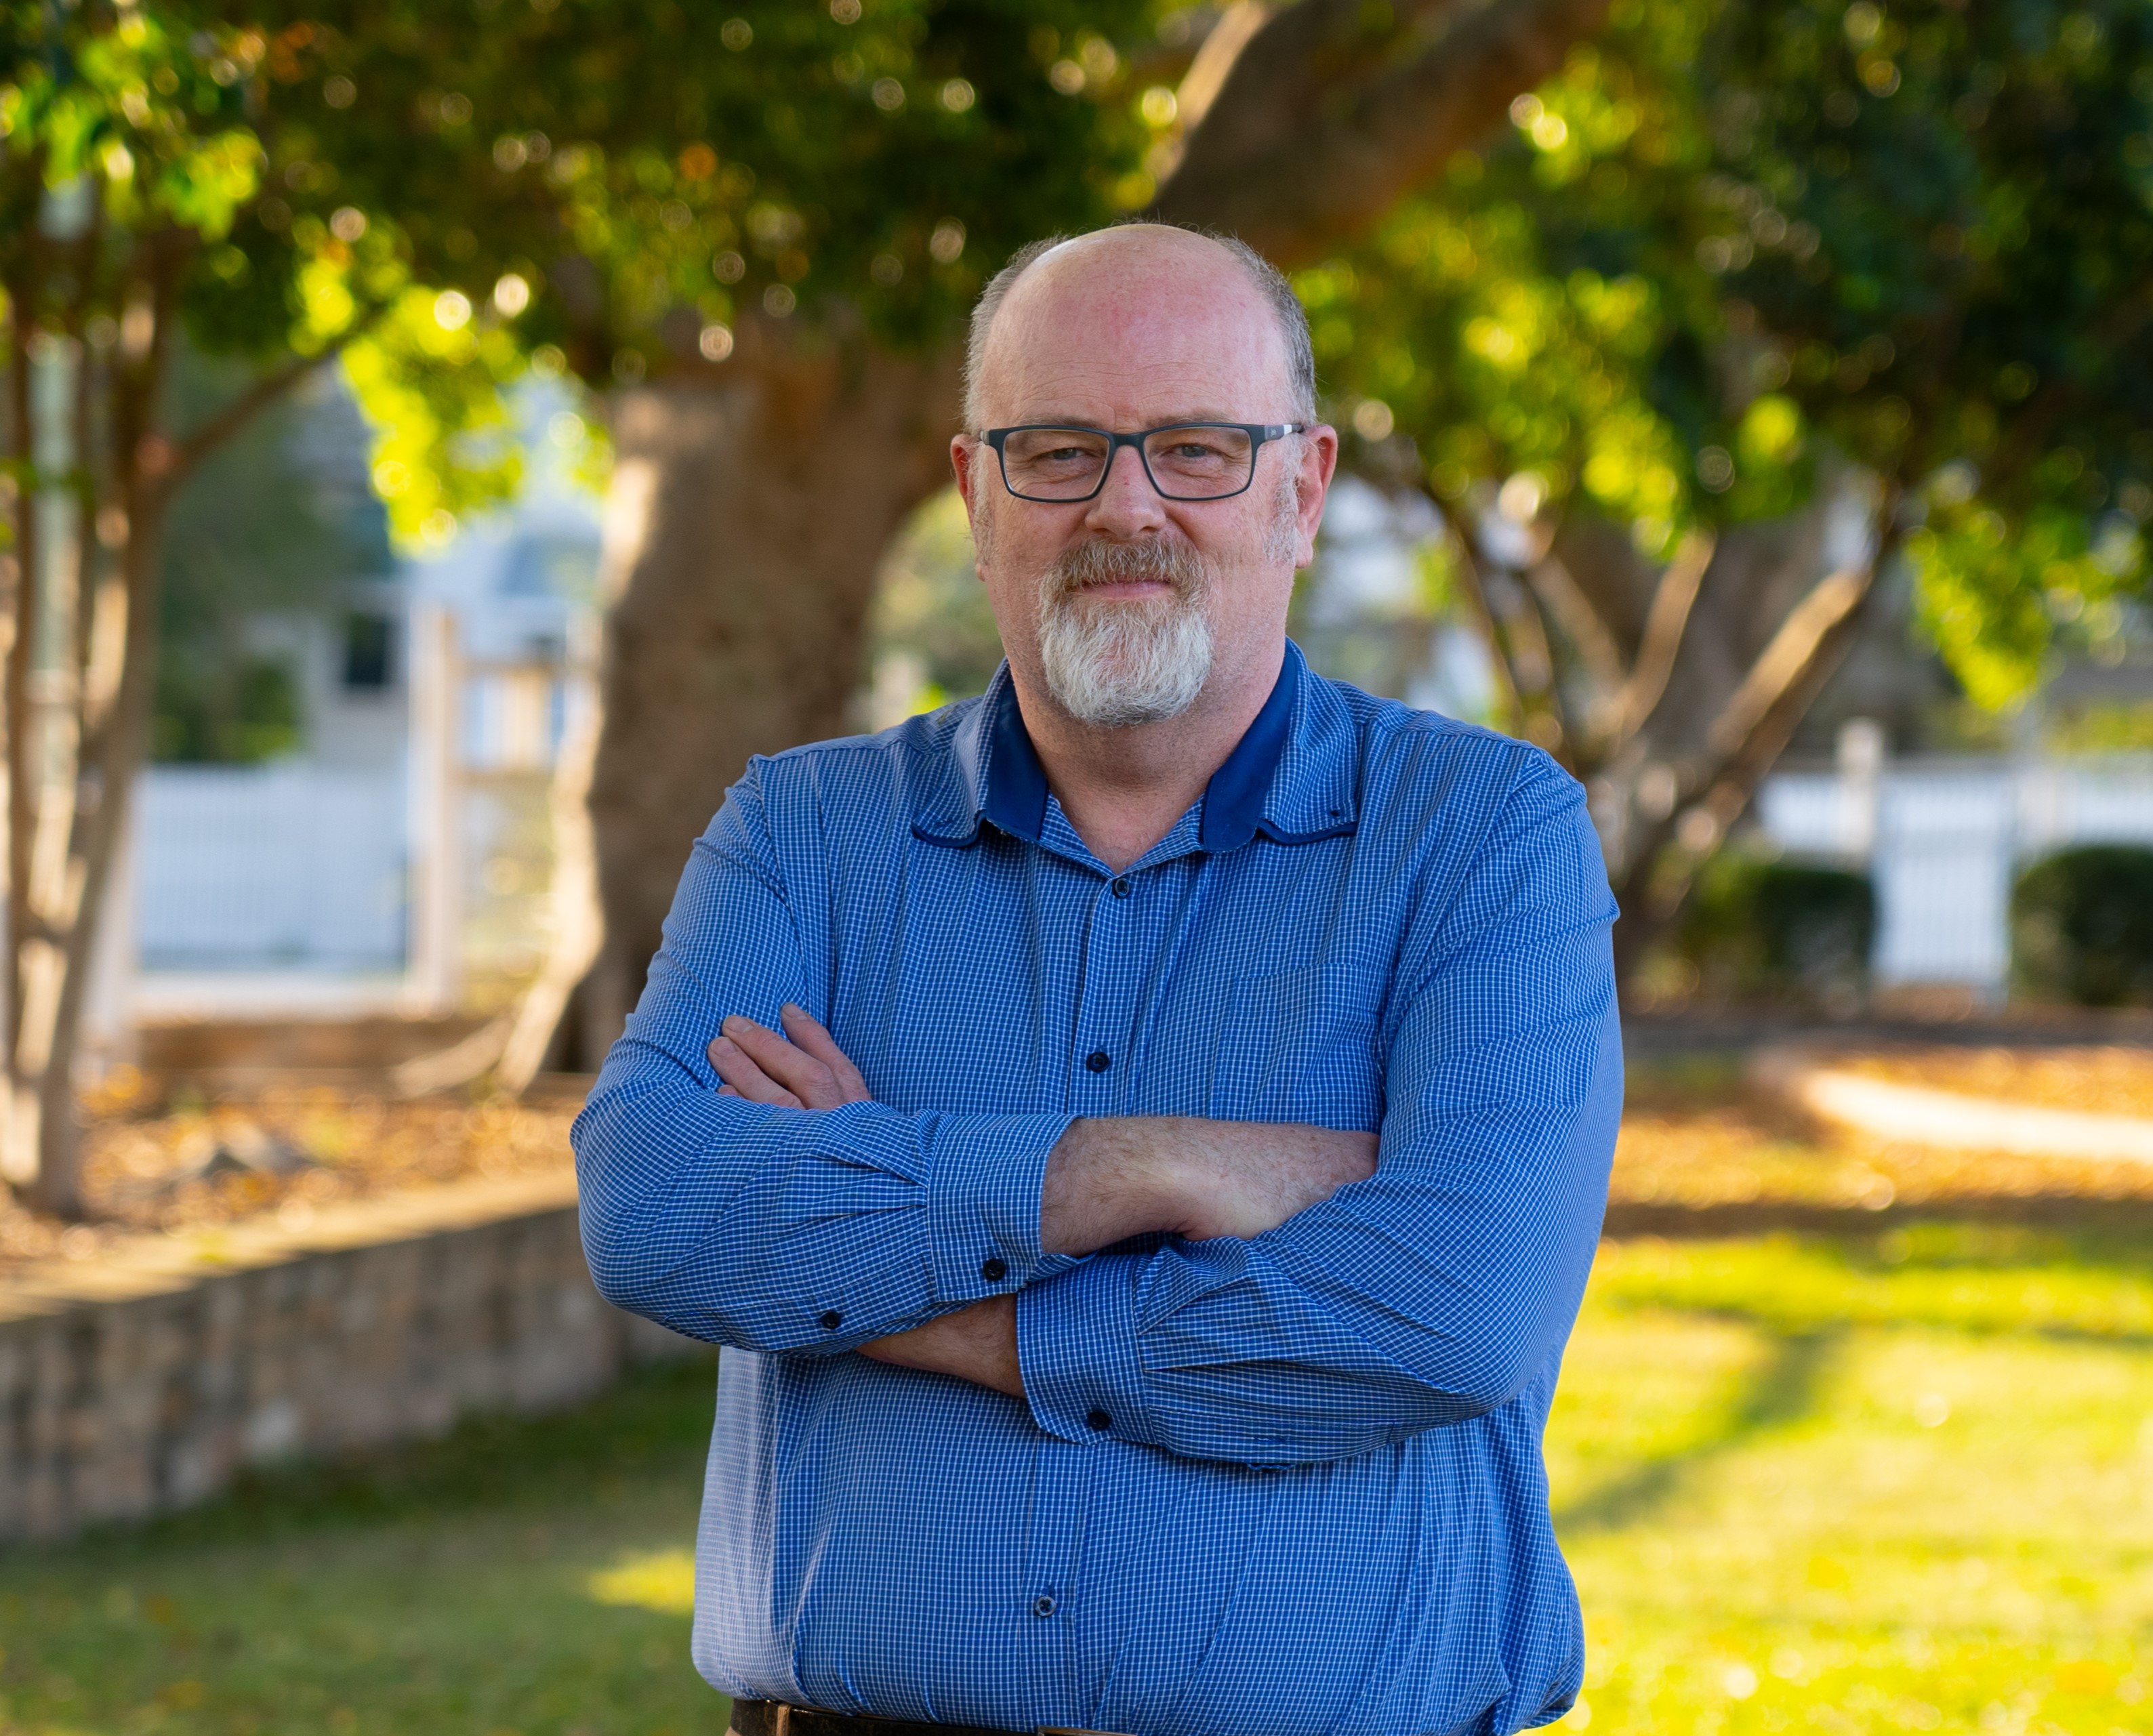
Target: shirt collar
<point x="1290" y="777"/>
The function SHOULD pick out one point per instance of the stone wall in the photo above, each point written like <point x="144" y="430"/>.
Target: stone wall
<point x="148" y="1379"/>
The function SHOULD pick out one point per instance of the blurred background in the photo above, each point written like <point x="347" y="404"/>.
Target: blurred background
<point x="443" y="443"/>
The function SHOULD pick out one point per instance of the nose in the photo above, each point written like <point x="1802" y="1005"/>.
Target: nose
<point x="1127" y="505"/>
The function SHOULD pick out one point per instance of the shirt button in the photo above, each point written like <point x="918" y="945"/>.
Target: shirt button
<point x="832" y="1320"/>
<point x="1042" y="1605"/>
<point x="993" y="1271"/>
<point x="1120" y="888"/>
<point x="1097" y="1419"/>
<point x="1098" y="1061"/>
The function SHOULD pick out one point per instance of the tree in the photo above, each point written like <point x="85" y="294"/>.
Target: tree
<point x="442" y="198"/>
<point x="740" y="557"/>
<point x="1752" y="302"/>
<point x="164" y="168"/>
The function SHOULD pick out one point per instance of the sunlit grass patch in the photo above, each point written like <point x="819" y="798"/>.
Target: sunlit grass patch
<point x="1974" y="1277"/>
<point x="1809" y="1483"/>
<point x="662" y="1580"/>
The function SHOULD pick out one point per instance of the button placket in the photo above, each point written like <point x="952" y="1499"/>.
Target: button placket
<point x="1103" y="1012"/>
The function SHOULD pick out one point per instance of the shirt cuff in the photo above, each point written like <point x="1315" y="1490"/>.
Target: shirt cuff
<point x="1076" y="1349"/>
<point x="984" y="1178"/>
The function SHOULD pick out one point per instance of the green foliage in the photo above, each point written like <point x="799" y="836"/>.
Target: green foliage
<point x="1725" y="240"/>
<point x="2082" y="926"/>
<point x="1780" y="929"/>
<point x="242" y="709"/>
<point x="126" y="105"/>
<point x="429" y="376"/>
<point x="932" y="637"/>
<point x="1988" y="592"/>
<point x="461" y="188"/>
<point x="179" y="145"/>
<point x="262" y="531"/>
<point x="2109" y="727"/>
<point x="616" y="201"/>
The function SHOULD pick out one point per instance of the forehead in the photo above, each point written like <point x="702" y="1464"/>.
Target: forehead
<point x="1126" y="330"/>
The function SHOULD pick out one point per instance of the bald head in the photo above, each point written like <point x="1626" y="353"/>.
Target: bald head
<point x="1145" y="295"/>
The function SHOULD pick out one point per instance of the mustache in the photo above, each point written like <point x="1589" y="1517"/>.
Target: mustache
<point x="1101" y="562"/>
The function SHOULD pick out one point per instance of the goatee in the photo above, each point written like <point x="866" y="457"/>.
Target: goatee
<point x="1113" y="662"/>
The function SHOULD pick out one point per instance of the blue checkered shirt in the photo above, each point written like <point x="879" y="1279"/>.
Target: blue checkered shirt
<point x="1291" y="1485"/>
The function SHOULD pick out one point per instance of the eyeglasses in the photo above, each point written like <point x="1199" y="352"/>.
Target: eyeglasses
<point x="1185" y="460"/>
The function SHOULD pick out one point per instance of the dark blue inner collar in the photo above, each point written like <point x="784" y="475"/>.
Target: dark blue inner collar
<point x="1017" y="782"/>
<point x="1232" y="801"/>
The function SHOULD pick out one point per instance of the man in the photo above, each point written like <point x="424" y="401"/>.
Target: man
<point x="1144" y="1259"/>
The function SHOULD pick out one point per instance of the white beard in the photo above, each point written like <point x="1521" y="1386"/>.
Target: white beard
<point x="1112" y="664"/>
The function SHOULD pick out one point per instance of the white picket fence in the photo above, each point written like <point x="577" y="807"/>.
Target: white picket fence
<point x="291" y="867"/>
<point x="302" y="868"/>
<point x="1942" y="840"/>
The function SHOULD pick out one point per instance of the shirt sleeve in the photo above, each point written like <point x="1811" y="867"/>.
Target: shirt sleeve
<point x="777" y="1229"/>
<point x="1436" y="1290"/>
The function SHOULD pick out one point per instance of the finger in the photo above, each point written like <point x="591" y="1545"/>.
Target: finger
<point x="739" y="1070"/>
<point x="799" y="1072"/>
<point x="809" y="1034"/>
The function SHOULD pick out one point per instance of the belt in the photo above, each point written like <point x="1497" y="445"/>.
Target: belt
<point x="772" y="1717"/>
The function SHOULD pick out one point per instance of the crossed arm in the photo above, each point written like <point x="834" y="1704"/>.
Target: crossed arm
<point x="1283" y="1316"/>
<point x="1106" y="1180"/>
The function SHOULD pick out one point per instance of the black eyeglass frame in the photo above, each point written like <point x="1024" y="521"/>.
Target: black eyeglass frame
<point x="1259" y="434"/>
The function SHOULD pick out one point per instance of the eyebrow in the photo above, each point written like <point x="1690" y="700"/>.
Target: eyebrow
<point x="1169" y="421"/>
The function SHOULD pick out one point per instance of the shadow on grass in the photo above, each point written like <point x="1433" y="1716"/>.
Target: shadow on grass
<point x="1975" y="1274"/>
<point x="1782" y="1391"/>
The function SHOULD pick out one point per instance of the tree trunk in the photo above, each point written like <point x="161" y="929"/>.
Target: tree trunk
<point x="742" y="552"/>
<point x="78" y="659"/>
<point x="748" y="511"/>
<point x="41" y="1077"/>
<point x="1672" y="691"/>
<point x="72" y="762"/>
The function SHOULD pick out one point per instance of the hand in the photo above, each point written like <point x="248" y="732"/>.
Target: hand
<point x="1109" y="1179"/>
<point x="809" y="1073"/>
<point x="977" y="1344"/>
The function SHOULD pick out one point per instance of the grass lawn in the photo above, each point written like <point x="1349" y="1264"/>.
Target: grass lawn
<point x="1889" y="1479"/>
<point x="517" y="1577"/>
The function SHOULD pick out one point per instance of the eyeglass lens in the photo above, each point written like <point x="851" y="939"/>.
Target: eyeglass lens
<point x="1187" y="464"/>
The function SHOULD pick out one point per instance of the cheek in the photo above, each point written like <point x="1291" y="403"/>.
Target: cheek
<point x="1249" y="600"/>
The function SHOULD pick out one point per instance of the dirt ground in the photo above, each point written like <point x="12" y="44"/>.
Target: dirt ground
<point x="2093" y="1080"/>
<point x="167" y="1156"/>
<point x="1697" y="1134"/>
<point x="162" y="1156"/>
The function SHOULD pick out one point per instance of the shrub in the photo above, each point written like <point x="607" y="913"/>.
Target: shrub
<point x="2082" y="926"/>
<point x="1780" y="930"/>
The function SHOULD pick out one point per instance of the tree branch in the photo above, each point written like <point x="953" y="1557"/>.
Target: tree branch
<point x="1475" y="595"/>
<point x="1830" y="600"/>
<point x="1664" y="623"/>
<point x="1331" y="110"/>
<point x="1658" y="883"/>
<point x="1572" y="610"/>
<point x="198" y="442"/>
